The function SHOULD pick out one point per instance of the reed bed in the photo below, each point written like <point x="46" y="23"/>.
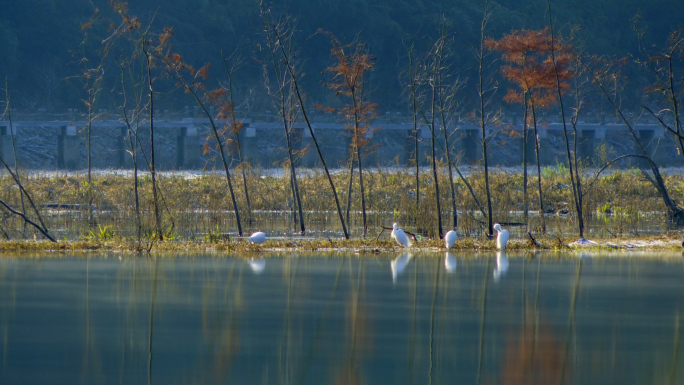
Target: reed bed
<point x="197" y="208"/>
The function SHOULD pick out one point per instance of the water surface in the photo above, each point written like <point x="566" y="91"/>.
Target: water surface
<point x="299" y="319"/>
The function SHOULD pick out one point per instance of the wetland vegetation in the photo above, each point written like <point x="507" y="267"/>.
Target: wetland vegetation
<point x="620" y="207"/>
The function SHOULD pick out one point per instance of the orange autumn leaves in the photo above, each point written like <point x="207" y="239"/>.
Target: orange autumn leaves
<point x="528" y="54"/>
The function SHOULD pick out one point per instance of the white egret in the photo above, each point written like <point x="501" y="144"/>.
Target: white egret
<point x="399" y="264"/>
<point x="449" y="262"/>
<point x="501" y="238"/>
<point x="450" y="238"/>
<point x="501" y="265"/>
<point x="399" y="235"/>
<point x="257" y="265"/>
<point x="258" y="238"/>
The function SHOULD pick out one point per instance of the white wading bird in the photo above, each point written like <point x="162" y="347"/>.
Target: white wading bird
<point x="450" y="238"/>
<point x="399" y="235"/>
<point x="258" y="238"/>
<point x="501" y="238"/>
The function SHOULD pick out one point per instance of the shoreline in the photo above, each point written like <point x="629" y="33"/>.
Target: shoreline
<point x="128" y="246"/>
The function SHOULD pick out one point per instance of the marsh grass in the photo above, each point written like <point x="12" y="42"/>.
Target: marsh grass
<point x="198" y="208"/>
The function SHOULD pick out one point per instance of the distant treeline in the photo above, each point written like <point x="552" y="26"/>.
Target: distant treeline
<point x="41" y="41"/>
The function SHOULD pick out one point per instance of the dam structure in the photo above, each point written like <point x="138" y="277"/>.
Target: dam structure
<point x="59" y="142"/>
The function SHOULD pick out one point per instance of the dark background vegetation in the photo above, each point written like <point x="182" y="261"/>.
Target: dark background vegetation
<point x="40" y="40"/>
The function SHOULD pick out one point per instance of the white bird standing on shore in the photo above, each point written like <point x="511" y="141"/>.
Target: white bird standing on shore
<point x="399" y="235"/>
<point x="257" y="238"/>
<point x="450" y="238"/>
<point x="501" y="238"/>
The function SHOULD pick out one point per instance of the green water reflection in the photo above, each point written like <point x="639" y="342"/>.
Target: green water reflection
<point x="395" y="319"/>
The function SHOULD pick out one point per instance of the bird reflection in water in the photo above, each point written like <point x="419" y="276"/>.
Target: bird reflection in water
<point x="257" y="265"/>
<point x="449" y="262"/>
<point x="501" y="265"/>
<point x="399" y="264"/>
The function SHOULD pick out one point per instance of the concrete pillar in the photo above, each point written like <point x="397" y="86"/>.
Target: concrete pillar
<point x="121" y="147"/>
<point x="470" y="146"/>
<point x="188" y="149"/>
<point x="6" y="149"/>
<point x="424" y="150"/>
<point x="586" y="144"/>
<point x="646" y="139"/>
<point x="249" y="145"/>
<point x="546" y="155"/>
<point x="410" y="154"/>
<point x="68" y="154"/>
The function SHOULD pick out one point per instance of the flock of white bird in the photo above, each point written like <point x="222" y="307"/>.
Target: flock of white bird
<point x="403" y="240"/>
<point x="450" y="237"/>
<point x="400" y="263"/>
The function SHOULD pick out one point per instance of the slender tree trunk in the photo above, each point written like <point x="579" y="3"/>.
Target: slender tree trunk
<point x="215" y="131"/>
<point x="526" y="201"/>
<point x="90" y="166"/>
<point x="574" y="171"/>
<point x="357" y="135"/>
<point x="8" y="108"/>
<point x="448" y="158"/>
<point x="138" y="219"/>
<point x="483" y="128"/>
<point x="293" y="173"/>
<point x="236" y="133"/>
<point x="300" y="98"/>
<point x="363" y="193"/>
<point x="349" y="189"/>
<point x="434" y="165"/>
<point x="577" y="191"/>
<point x="539" y="175"/>
<point x="414" y="105"/>
<point x="157" y="213"/>
<point x="675" y="213"/>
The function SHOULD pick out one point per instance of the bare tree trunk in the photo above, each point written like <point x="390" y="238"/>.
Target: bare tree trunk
<point x="349" y="189"/>
<point x="273" y="30"/>
<point x="88" y="144"/>
<point x="526" y="201"/>
<point x="133" y="144"/>
<point x="539" y="175"/>
<point x="42" y="228"/>
<point x="572" y="165"/>
<point x="357" y="135"/>
<point x="157" y="213"/>
<point x="414" y="109"/>
<point x="434" y="164"/>
<point x="363" y="193"/>
<point x="675" y="213"/>
<point x="288" y="124"/>
<point x="483" y="128"/>
<point x="236" y="133"/>
<point x="8" y="110"/>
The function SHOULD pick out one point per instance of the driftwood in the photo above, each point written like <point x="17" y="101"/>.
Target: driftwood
<point x="390" y="229"/>
<point x="534" y="242"/>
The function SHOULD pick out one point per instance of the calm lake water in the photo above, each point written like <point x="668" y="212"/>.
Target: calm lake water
<point x="300" y="319"/>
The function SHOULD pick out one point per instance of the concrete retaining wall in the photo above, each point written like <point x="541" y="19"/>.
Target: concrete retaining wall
<point x="187" y="144"/>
